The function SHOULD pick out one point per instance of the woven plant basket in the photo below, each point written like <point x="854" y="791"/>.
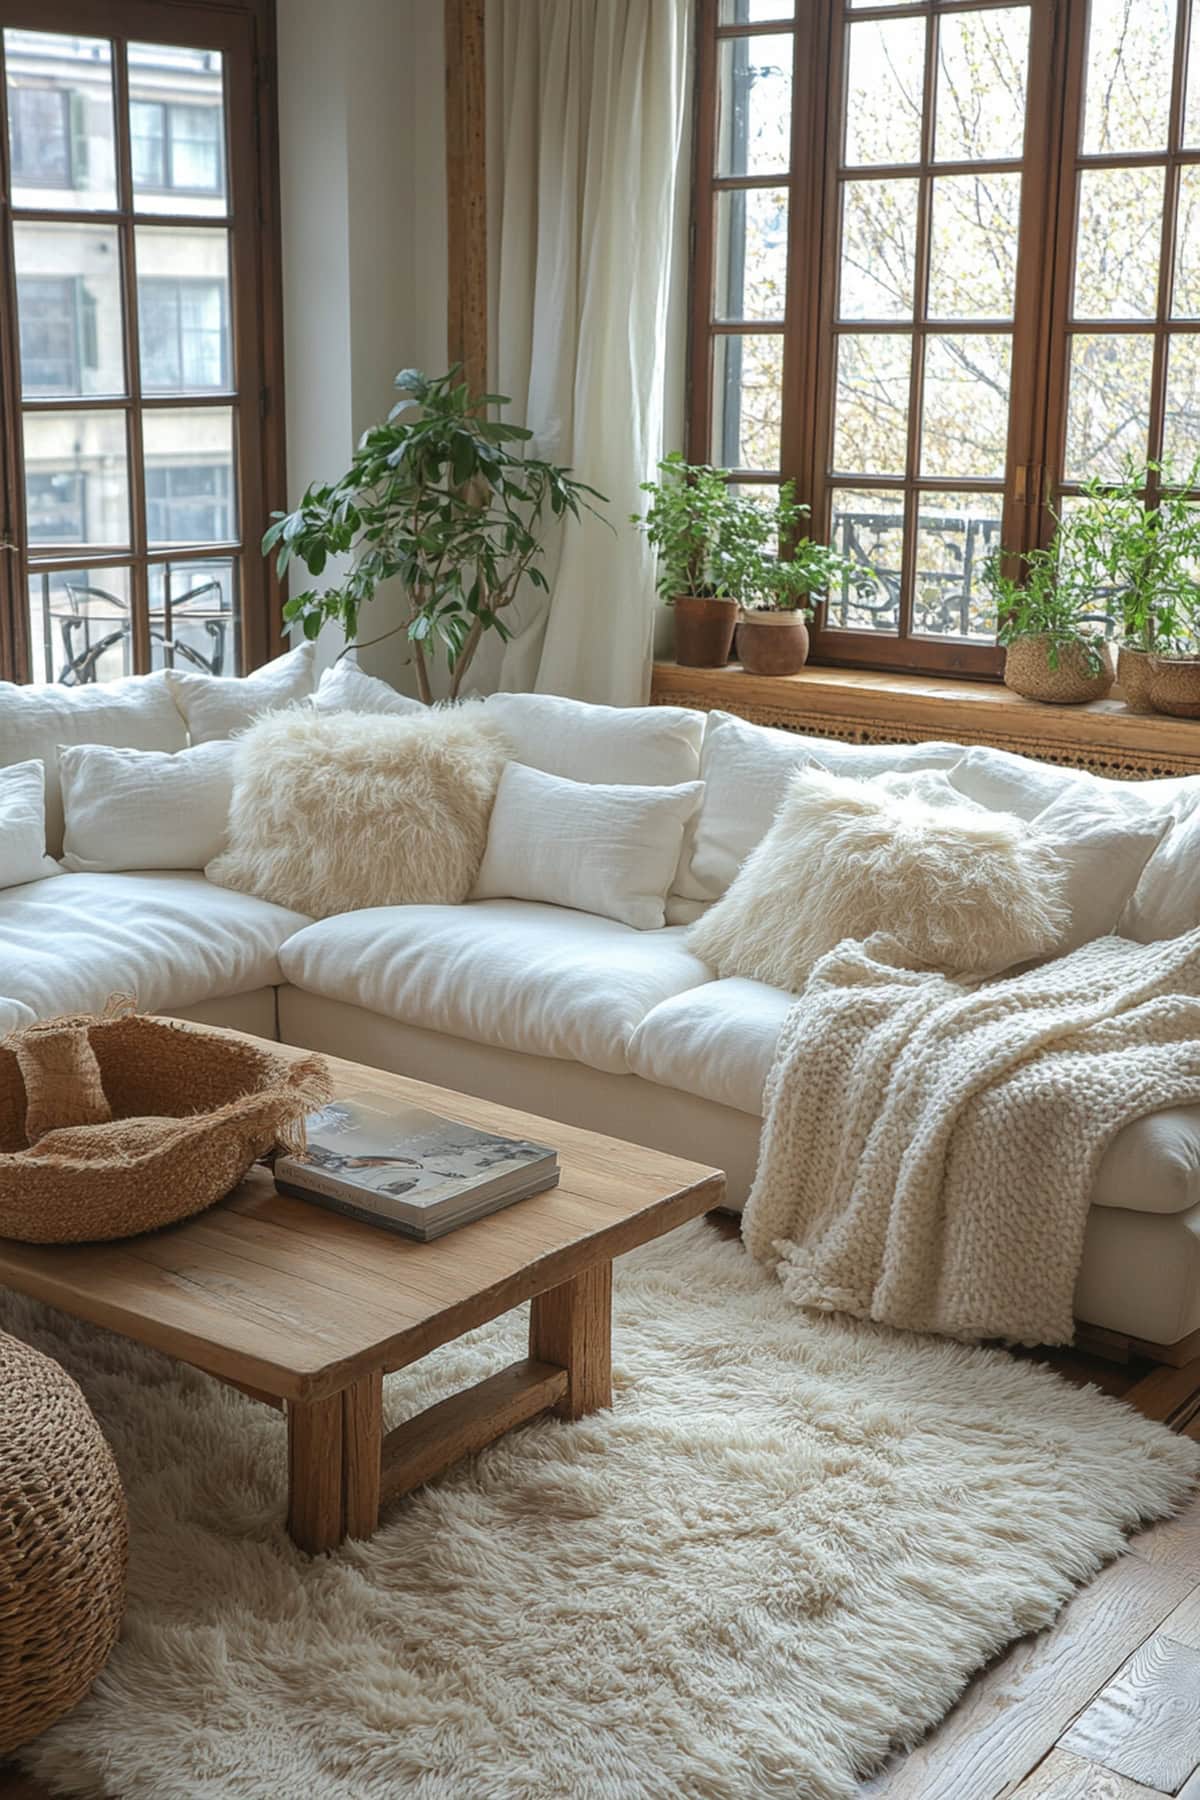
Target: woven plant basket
<point x="1027" y="672"/>
<point x="110" y="1126"/>
<point x="63" y="1545"/>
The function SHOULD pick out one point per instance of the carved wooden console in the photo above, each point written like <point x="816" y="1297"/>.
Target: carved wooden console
<point x="865" y="708"/>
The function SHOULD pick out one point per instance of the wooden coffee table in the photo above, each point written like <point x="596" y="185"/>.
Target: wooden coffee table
<point x="307" y="1311"/>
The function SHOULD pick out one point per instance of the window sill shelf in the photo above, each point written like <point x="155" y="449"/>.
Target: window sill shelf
<point x="863" y="707"/>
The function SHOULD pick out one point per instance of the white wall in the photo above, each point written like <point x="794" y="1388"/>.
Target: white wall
<point x="363" y="200"/>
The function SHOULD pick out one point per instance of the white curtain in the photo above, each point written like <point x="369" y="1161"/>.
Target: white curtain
<point x="587" y="103"/>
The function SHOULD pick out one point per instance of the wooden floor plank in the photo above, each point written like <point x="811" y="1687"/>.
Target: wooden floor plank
<point x="1066" y="1777"/>
<point x="1145" y="1723"/>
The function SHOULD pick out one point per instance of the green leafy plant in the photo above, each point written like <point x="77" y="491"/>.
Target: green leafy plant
<point x="685" y="519"/>
<point x="441" y="498"/>
<point x="767" y="566"/>
<point x="1048" y="600"/>
<point x="1146" y="558"/>
<point x="714" y="541"/>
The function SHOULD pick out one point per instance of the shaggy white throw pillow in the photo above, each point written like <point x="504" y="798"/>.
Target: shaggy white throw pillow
<point x="336" y="811"/>
<point x="964" y="890"/>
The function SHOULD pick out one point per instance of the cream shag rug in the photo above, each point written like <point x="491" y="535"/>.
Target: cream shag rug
<point x="787" y="1548"/>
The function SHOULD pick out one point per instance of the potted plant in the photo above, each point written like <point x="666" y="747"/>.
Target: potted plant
<point x="443" y="499"/>
<point x="773" y="573"/>
<point x="1050" y="652"/>
<point x="1147" y="558"/>
<point x="1174" y="686"/>
<point x="688" y="509"/>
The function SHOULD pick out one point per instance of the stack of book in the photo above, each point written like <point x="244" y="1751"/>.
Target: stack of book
<point x="410" y="1170"/>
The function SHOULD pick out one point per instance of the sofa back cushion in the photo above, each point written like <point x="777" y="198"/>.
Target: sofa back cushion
<point x="746" y="769"/>
<point x="215" y="706"/>
<point x="644" y="746"/>
<point x="138" y="713"/>
<point x="605" y="848"/>
<point x="144" y="809"/>
<point x="344" y="687"/>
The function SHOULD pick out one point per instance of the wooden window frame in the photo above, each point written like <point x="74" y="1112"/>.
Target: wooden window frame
<point x="811" y="328"/>
<point x="244" y="32"/>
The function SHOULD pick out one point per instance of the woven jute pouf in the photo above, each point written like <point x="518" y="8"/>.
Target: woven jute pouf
<point x="63" y="1545"/>
<point x="116" y="1125"/>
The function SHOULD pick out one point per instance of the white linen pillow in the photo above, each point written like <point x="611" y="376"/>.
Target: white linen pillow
<point x="23" y="825"/>
<point x="963" y="889"/>
<point x="746" y="768"/>
<point x="144" y="809"/>
<point x="1007" y="782"/>
<point x="1104" y="848"/>
<point x="344" y="687"/>
<point x="644" y="746"/>
<point x="1166" y="901"/>
<point x="336" y="811"/>
<point x="215" y="706"/>
<point x="34" y="721"/>
<point x="604" y="848"/>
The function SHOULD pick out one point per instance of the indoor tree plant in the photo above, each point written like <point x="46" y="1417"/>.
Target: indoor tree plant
<point x="688" y="511"/>
<point x="443" y="499"/>
<point x="1051" y="653"/>
<point x="773" y="572"/>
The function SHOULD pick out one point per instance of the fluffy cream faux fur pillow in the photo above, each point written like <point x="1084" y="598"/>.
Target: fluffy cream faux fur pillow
<point x="964" y="890"/>
<point x="335" y="811"/>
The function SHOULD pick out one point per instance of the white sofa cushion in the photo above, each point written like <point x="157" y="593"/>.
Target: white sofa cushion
<point x="167" y="939"/>
<point x="215" y="706"/>
<point x="144" y="809"/>
<point x="648" y="746"/>
<point x="1102" y="848"/>
<point x="716" y="1041"/>
<point x="601" y="848"/>
<point x="1166" y="901"/>
<point x="344" y="687"/>
<point x="34" y="721"/>
<point x="745" y="770"/>
<point x="1007" y="782"/>
<point x="13" y="1013"/>
<point x="540" y="979"/>
<point x="23" y="825"/>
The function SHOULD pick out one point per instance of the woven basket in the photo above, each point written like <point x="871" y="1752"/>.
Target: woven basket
<point x="1027" y="672"/>
<point x="63" y="1545"/>
<point x="111" y="1126"/>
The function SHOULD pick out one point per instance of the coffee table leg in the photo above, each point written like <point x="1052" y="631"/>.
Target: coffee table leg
<point x="572" y="1325"/>
<point x="316" y="1505"/>
<point x="334" y="1447"/>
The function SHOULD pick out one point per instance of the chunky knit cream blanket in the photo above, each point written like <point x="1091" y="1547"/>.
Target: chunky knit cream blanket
<point x="930" y="1146"/>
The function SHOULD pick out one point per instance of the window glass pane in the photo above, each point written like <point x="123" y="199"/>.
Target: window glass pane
<point x="80" y="625"/>
<point x="884" y="91"/>
<point x="1191" y="99"/>
<point x="76" y="479"/>
<point x="189" y="475"/>
<point x="870" y="434"/>
<point x="982" y="65"/>
<point x="753" y="12"/>
<point x="973" y="246"/>
<point x="183" y="309"/>
<point x="1181" y="427"/>
<point x="69" y="308"/>
<point x="965" y="415"/>
<point x="754" y="116"/>
<point x="751" y="253"/>
<point x="60" y="120"/>
<point x="1119" y="243"/>
<point x="879" y="239"/>
<point x="177" y="129"/>
<point x="194" y="616"/>
<point x="1108" y="409"/>
<point x="747" y="401"/>
<point x="868" y="526"/>
<point x="955" y="535"/>
<point x="1130" y="56"/>
<point x="1186" y="300"/>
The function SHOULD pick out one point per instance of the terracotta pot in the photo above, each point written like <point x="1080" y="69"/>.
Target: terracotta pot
<point x="772" y="643"/>
<point x="1175" y="685"/>
<point x="1027" y="671"/>
<point x="1133" y="674"/>
<point x="703" y="630"/>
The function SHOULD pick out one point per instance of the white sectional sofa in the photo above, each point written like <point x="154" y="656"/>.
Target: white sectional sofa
<point x="570" y="1015"/>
